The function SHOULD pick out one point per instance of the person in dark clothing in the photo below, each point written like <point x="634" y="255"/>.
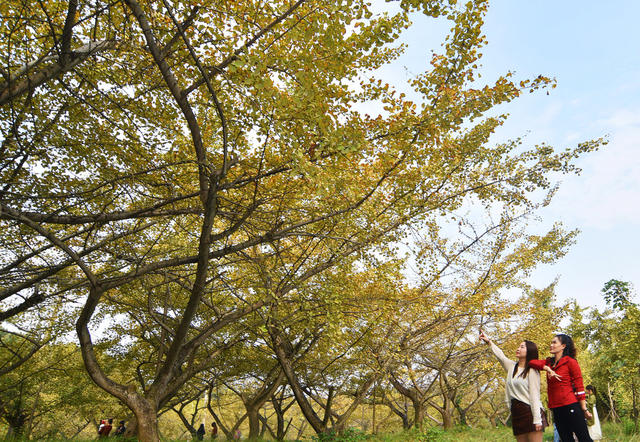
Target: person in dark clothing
<point x="214" y="430"/>
<point x="120" y="430"/>
<point x="200" y="432"/>
<point x="565" y="389"/>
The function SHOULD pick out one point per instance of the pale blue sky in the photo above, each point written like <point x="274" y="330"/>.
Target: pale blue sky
<point x="591" y="48"/>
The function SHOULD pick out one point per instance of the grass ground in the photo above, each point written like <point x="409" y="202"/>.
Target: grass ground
<point x="611" y="433"/>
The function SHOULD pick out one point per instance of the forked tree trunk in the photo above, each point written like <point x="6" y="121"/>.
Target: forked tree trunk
<point x="416" y="400"/>
<point x="283" y="350"/>
<point x="252" y="404"/>
<point x="446" y="412"/>
<point x="281" y="429"/>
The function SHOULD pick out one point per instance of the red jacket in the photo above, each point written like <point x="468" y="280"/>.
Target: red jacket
<point x="562" y="392"/>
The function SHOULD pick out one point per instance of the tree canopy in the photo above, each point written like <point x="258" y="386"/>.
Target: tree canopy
<point x="191" y="176"/>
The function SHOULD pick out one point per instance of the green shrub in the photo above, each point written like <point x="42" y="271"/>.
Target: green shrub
<point x="433" y="434"/>
<point x="348" y="435"/>
<point x="628" y="426"/>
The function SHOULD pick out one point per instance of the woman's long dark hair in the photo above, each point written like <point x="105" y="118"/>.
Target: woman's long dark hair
<point x="532" y="353"/>
<point x="570" y="347"/>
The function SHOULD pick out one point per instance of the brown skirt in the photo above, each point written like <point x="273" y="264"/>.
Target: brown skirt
<point x="522" y="418"/>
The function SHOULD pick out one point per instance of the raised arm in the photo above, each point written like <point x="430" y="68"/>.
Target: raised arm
<point x="506" y="363"/>
<point x="538" y="364"/>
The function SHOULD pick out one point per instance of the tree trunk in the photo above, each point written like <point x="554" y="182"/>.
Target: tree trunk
<point x="614" y="415"/>
<point x="228" y="431"/>
<point x="303" y="423"/>
<point x="418" y="413"/>
<point x="446" y="411"/>
<point x="29" y="427"/>
<point x="634" y="407"/>
<point x="413" y="395"/>
<point x="144" y="425"/>
<point x="462" y="411"/>
<point x="263" y="430"/>
<point x="254" y="421"/>
<point x="281" y="429"/>
<point x="188" y="425"/>
<point x="147" y="426"/>
<point x="284" y="351"/>
<point x="281" y="346"/>
<point x="406" y="423"/>
<point x="463" y="417"/>
<point x="280" y="432"/>
<point x="373" y="412"/>
<point x="447" y="405"/>
<point x="252" y="404"/>
<point x="447" y="420"/>
<point x="16" y="426"/>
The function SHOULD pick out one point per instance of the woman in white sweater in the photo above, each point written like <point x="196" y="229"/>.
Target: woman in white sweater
<point x="522" y="391"/>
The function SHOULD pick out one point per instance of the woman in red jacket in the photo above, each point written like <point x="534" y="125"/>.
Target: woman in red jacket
<point x="565" y="389"/>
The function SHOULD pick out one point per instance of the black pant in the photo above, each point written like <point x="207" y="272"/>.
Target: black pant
<point x="569" y="420"/>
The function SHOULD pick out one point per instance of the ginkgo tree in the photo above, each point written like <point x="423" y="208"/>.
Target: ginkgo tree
<point x="152" y="151"/>
<point x="609" y="338"/>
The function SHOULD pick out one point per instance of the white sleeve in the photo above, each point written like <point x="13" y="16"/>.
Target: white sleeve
<point x="506" y="362"/>
<point x="534" y="395"/>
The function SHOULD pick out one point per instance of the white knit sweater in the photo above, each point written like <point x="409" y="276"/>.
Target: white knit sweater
<point x="525" y="390"/>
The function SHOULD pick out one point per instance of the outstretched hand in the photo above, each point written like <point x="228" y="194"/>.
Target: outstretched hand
<point x="484" y="337"/>
<point x="552" y="374"/>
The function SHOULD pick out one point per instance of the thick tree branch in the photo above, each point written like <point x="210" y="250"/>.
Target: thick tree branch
<point x="10" y="90"/>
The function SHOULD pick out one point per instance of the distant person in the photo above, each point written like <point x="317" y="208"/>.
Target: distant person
<point x="569" y="407"/>
<point x="238" y="434"/>
<point x="522" y="391"/>
<point x="593" y="424"/>
<point x="200" y="432"/>
<point x="105" y="429"/>
<point x="214" y="430"/>
<point x="120" y="430"/>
